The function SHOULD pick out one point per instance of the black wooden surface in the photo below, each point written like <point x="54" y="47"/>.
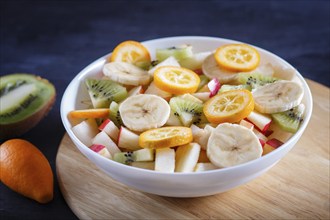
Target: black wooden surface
<point x="57" y="39"/>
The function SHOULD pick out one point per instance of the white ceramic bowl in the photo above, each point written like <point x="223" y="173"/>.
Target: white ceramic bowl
<point x="179" y="184"/>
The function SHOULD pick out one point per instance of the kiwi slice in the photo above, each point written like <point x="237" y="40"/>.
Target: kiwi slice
<point x="124" y="157"/>
<point x="201" y="121"/>
<point x="103" y="91"/>
<point x="24" y="100"/>
<point x="146" y="65"/>
<point x="134" y="156"/>
<point x="203" y="81"/>
<point x="154" y="63"/>
<point x="225" y="87"/>
<point x="114" y="114"/>
<point x="290" y="120"/>
<point x="255" y="79"/>
<point x="187" y="110"/>
<point x="179" y="53"/>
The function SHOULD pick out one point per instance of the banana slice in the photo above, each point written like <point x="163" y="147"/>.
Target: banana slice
<point x="276" y="97"/>
<point x="143" y="112"/>
<point x="212" y="70"/>
<point x="232" y="144"/>
<point x="126" y="73"/>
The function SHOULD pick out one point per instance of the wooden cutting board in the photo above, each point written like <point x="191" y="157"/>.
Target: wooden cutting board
<point x="296" y="188"/>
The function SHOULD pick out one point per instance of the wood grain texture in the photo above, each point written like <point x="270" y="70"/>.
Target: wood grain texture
<point x="296" y="188"/>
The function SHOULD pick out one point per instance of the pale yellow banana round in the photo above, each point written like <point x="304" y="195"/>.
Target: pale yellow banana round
<point x="144" y="111"/>
<point x="212" y="70"/>
<point x="126" y="73"/>
<point x="276" y="97"/>
<point x="232" y="144"/>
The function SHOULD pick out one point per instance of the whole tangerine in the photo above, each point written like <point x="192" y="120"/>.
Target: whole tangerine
<point x="26" y="170"/>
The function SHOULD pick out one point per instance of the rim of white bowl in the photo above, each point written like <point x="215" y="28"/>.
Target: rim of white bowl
<point x="302" y="127"/>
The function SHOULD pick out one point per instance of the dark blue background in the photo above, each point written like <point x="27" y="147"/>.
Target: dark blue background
<point x="57" y="39"/>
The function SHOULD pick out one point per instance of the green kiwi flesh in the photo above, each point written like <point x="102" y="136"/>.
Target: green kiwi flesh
<point x="24" y="100"/>
<point x="226" y="87"/>
<point x="290" y="120"/>
<point x="124" y="157"/>
<point x="103" y="91"/>
<point x="134" y="156"/>
<point x="188" y="111"/>
<point x="178" y="53"/>
<point x="114" y="114"/>
<point x="255" y="79"/>
<point x="203" y="81"/>
<point x="144" y="65"/>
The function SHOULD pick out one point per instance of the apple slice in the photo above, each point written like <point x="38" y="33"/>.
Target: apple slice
<point x="279" y="134"/>
<point x="271" y="145"/>
<point x="103" y="139"/>
<point x="262" y="142"/>
<point x="145" y="155"/>
<point x="135" y="91"/>
<point x="246" y="124"/>
<point x="110" y="128"/>
<point x="196" y="131"/>
<point x="262" y="138"/>
<point x="204" y="96"/>
<point x="90" y="113"/>
<point x="198" y="71"/>
<point x="86" y="131"/>
<point x="154" y="90"/>
<point x="268" y="132"/>
<point x="204" y="166"/>
<point x="128" y="139"/>
<point x="101" y="149"/>
<point x="261" y="121"/>
<point x="274" y="142"/>
<point x="165" y="160"/>
<point x="214" y="86"/>
<point x="201" y="136"/>
<point x="186" y="157"/>
<point x="259" y="134"/>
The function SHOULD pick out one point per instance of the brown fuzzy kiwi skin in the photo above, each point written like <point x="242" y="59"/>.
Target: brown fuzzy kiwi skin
<point x="16" y="129"/>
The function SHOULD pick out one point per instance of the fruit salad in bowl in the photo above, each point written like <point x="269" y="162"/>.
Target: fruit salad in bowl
<point x="186" y="116"/>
